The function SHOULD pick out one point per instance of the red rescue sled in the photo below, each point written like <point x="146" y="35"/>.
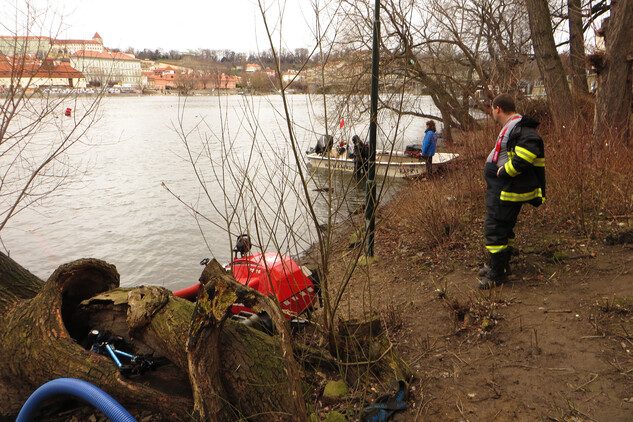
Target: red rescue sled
<point x="295" y="287"/>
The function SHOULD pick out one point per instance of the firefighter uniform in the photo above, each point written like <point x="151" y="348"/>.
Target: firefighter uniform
<point x="514" y="175"/>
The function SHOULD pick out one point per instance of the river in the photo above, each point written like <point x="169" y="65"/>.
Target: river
<point x="133" y="203"/>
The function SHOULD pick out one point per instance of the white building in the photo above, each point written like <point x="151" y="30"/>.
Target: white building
<point x="107" y="68"/>
<point x="43" y="47"/>
<point x="20" y="46"/>
<point x="66" y="48"/>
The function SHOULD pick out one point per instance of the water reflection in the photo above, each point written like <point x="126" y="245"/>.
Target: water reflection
<point x="348" y="193"/>
<point x="119" y="211"/>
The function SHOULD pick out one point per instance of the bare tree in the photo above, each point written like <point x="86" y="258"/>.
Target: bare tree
<point x="549" y="63"/>
<point x="258" y="181"/>
<point x="577" y="49"/>
<point x="35" y="137"/>
<point x="457" y="52"/>
<point x="186" y="82"/>
<point x="614" y="97"/>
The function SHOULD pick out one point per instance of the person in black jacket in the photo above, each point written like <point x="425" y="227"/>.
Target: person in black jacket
<point x="361" y="156"/>
<point x="514" y="174"/>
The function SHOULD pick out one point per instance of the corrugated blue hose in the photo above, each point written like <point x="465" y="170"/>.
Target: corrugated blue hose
<point x="80" y="389"/>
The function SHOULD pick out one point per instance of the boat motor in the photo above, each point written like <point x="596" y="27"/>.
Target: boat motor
<point x="413" y="150"/>
<point x="243" y="246"/>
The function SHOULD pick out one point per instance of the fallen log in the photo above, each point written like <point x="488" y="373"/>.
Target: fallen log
<point x="212" y="368"/>
<point x="36" y="346"/>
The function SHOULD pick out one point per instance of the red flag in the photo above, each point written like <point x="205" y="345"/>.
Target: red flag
<point x="342" y="122"/>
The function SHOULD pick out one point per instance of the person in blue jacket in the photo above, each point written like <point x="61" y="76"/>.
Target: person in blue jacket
<point x="428" y="146"/>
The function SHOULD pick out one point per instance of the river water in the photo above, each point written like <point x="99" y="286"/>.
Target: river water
<point x="141" y="205"/>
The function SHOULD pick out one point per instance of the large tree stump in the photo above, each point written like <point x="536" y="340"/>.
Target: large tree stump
<point x="36" y="347"/>
<point x="277" y="396"/>
<point x="226" y="369"/>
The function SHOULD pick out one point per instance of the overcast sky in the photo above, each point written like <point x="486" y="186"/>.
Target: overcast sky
<point x="186" y="24"/>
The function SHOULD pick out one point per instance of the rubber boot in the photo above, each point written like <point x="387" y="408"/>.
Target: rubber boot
<point x="486" y="269"/>
<point x="497" y="274"/>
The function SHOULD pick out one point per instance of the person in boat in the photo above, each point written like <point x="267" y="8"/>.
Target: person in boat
<point x="428" y="146"/>
<point x="350" y="150"/>
<point x="514" y="174"/>
<point x="341" y="148"/>
<point x="361" y="156"/>
<point x="324" y="144"/>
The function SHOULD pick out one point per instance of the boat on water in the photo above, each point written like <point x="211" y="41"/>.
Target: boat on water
<point x="406" y="164"/>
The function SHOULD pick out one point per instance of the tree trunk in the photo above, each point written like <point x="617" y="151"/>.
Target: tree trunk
<point x="16" y="282"/>
<point x="614" y="98"/>
<point x="577" y="49"/>
<point x="549" y="63"/>
<point x="44" y="337"/>
<point x="36" y="347"/>
<point x="275" y="396"/>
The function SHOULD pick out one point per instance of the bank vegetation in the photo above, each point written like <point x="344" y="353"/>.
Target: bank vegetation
<point x="461" y="54"/>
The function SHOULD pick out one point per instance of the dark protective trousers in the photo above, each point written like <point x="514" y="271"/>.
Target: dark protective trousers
<point x="429" y="164"/>
<point x="501" y="216"/>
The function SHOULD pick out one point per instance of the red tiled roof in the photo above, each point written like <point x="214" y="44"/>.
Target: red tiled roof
<point x="36" y="68"/>
<point x="24" y="38"/>
<point x="76" y="42"/>
<point x="107" y="55"/>
<point x="65" y="70"/>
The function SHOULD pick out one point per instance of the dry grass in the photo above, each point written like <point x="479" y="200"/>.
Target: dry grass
<point x="588" y="183"/>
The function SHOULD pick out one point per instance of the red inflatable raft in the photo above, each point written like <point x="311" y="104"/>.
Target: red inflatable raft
<point x="270" y="273"/>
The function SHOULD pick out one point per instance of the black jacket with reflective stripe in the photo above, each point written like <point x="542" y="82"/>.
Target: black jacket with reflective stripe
<point x="524" y="173"/>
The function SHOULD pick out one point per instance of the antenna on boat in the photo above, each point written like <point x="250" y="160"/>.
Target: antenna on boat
<point x="370" y="203"/>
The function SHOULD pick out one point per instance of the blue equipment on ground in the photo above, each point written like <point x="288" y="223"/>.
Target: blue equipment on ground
<point x="137" y="364"/>
<point x="385" y="406"/>
<point x="79" y="389"/>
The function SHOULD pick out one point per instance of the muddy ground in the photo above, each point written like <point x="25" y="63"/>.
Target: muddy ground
<point x="553" y="344"/>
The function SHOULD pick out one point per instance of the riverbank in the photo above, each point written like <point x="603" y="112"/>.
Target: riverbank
<point x="554" y="343"/>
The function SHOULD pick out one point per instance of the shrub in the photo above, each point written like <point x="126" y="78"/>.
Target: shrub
<point x="588" y="181"/>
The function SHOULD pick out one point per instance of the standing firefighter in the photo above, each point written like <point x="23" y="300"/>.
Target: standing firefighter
<point x="515" y="174"/>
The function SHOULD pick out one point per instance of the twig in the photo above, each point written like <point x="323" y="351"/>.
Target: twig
<point x="581" y="256"/>
<point x="580" y="387"/>
<point x="557" y="311"/>
<point x="535" y="367"/>
<point x="424" y="405"/>
<point x="460" y="408"/>
<point x="369" y="362"/>
<point x="623" y="216"/>
<point x="460" y="359"/>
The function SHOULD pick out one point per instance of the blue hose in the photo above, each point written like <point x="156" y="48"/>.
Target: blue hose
<point x="80" y="389"/>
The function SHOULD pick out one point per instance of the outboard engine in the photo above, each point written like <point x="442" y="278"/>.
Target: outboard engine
<point x="413" y="150"/>
<point x="324" y="144"/>
<point x="243" y="245"/>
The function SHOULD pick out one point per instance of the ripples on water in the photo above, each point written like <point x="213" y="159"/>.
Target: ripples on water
<point x="119" y="212"/>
